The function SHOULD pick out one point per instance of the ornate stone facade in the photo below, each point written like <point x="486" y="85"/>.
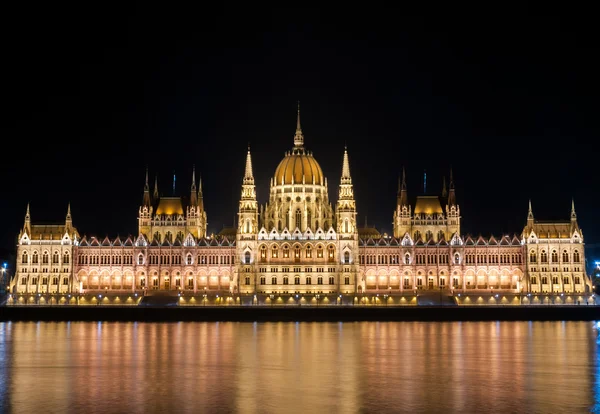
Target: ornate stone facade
<point x="298" y="244"/>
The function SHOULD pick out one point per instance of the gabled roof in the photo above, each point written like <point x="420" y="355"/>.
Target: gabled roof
<point x="443" y="242"/>
<point x="505" y="241"/>
<point x="492" y="241"/>
<point x="84" y="241"/>
<point x="94" y="242"/>
<point x="128" y="242"/>
<point x="469" y="241"/>
<point x="370" y="242"/>
<point x="394" y="242"/>
<point x="382" y="242"/>
<point x="515" y="240"/>
<point x="481" y="241"/>
<point x="117" y="241"/>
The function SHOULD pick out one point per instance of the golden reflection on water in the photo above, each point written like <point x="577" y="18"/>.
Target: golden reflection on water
<point x="299" y="367"/>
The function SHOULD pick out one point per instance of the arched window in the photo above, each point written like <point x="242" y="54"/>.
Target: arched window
<point x="157" y="236"/>
<point x="456" y="258"/>
<point x="180" y="235"/>
<point x="320" y="252"/>
<point x="274" y="252"/>
<point x="428" y="235"/>
<point x="247" y="227"/>
<point x="565" y="256"/>
<point x="140" y="259"/>
<point x="270" y="226"/>
<point x="576" y="256"/>
<point x="440" y="235"/>
<point x="247" y="257"/>
<point x="274" y="280"/>
<point x="45" y="258"/>
<point x="169" y="236"/>
<point x="297" y="252"/>
<point x="417" y="235"/>
<point x="331" y="251"/>
<point x="34" y="259"/>
<point x="279" y="228"/>
<point x="554" y="256"/>
<point x="285" y="280"/>
<point x="407" y="258"/>
<point x="188" y="259"/>
<point x="308" y="252"/>
<point x="346" y="226"/>
<point x="263" y="252"/>
<point x="299" y="219"/>
<point x="532" y="257"/>
<point x="308" y="219"/>
<point x="66" y="258"/>
<point x="346" y="257"/>
<point x="308" y="280"/>
<point x="544" y="257"/>
<point x="325" y="225"/>
<point x="316" y="224"/>
<point x="24" y="258"/>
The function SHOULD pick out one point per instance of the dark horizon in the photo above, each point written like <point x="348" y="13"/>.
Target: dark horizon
<point x="88" y="107"/>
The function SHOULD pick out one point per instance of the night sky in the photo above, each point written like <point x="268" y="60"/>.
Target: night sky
<point x="90" y="102"/>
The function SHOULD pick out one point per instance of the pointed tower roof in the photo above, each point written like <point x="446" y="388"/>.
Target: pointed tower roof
<point x="451" y="193"/>
<point x="156" y="187"/>
<point x="146" y="200"/>
<point x="27" y="224"/>
<point x="68" y="218"/>
<point x="403" y="194"/>
<point x="573" y="214"/>
<point x="193" y="194"/>
<point x="346" y="179"/>
<point x="248" y="173"/>
<point x="530" y="212"/>
<point x="298" y="137"/>
<point x="200" y="195"/>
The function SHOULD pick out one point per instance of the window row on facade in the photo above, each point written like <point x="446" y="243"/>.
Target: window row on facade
<point x="543" y="257"/>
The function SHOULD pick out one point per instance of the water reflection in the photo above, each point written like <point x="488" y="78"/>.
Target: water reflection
<point x="294" y="367"/>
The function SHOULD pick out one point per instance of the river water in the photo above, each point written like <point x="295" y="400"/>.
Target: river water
<point x="350" y="367"/>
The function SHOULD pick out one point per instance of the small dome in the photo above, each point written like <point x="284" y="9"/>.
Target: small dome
<point x="299" y="165"/>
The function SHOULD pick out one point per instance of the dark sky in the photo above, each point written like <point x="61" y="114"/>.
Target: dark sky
<point x="89" y="101"/>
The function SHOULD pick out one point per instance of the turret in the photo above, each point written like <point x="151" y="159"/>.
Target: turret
<point x="146" y="200"/>
<point x="193" y="194"/>
<point x="68" y="220"/>
<point x="27" y="224"/>
<point x="155" y="196"/>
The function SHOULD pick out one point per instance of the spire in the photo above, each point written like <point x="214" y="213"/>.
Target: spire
<point x="68" y="221"/>
<point x="27" y="225"/>
<point x="530" y="212"/>
<point x="193" y="195"/>
<point x="573" y="215"/>
<point x="346" y="167"/>
<point x="146" y="200"/>
<point x="444" y="192"/>
<point x="248" y="173"/>
<point x="402" y="193"/>
<point x="451" y="193"/>
<point x="298" y="137"/>
<point x="156" y="187"/>
<point x="200" y="195"/>
<point x="424" y="181"/>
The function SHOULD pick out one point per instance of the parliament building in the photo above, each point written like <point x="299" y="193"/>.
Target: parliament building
<point x="299" y="247"/>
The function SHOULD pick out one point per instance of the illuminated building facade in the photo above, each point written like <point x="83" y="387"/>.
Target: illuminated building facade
<point x="299" y="243"/>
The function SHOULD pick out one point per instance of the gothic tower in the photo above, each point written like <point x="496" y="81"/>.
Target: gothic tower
<point x="402" y="215"/>
<point x="247" y="225"/>
<point x="146" y="209"/>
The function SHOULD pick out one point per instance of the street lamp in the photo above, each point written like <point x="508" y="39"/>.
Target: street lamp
<point x="317" y="296"/>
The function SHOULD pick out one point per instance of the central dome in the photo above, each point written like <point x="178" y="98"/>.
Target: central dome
<point x="298" y="167"/>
